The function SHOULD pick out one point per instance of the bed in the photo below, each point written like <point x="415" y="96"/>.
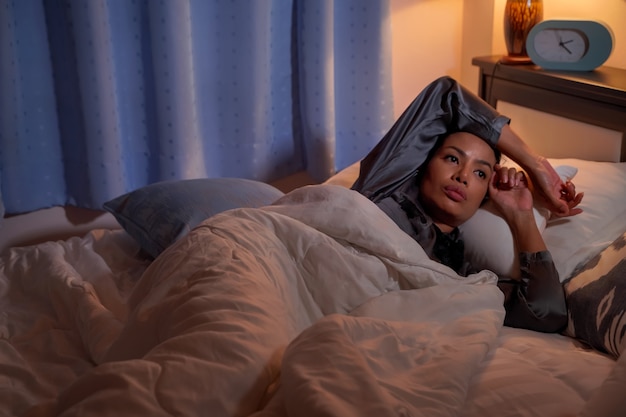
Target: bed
<point x="227" y="297"/>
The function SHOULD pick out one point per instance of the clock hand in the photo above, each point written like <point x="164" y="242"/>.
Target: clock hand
<point x="562" y="45"/>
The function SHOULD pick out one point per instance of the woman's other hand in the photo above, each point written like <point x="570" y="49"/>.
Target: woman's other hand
<point x="510" y="192"/>
<point x="558" y="196"/>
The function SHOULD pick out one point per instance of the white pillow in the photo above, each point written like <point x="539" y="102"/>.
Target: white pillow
<point x="574" y="240"/>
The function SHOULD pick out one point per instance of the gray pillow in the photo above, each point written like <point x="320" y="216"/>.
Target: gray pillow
<point x="159" y="214"/>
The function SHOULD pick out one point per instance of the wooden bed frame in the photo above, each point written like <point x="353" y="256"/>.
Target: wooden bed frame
<point x="596" y="97"/>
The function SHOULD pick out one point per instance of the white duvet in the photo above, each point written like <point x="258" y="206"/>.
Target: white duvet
<point x="315" y="306"/>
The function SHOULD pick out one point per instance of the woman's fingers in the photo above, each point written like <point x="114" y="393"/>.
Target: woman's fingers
<point x="568" y="191"/>
<point x="510" y="177"/>
<point x="571" y="199"/>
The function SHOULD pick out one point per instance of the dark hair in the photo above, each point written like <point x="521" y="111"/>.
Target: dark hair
<point x="496" y="152"/>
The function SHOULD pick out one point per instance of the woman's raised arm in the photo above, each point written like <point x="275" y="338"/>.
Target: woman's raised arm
<point x="559" y="197"/>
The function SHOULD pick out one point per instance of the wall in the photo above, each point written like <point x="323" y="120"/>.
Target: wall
<point x="439" y="37"/>
<point x="611" y="12"/>
<point x="427" y="43"/>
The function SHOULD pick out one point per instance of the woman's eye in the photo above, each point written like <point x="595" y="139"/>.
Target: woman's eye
<point x="481" y="174"/>
<point x="452" y="158"/>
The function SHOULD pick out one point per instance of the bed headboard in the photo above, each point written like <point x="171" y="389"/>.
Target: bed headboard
<point x="562" y="114"/>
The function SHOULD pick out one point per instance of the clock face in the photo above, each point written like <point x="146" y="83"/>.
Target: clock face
<point x="571" y="45"/>
<point x="561" y="45"/>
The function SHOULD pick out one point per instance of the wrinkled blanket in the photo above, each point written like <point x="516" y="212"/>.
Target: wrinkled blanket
<point x="316" y="305"/>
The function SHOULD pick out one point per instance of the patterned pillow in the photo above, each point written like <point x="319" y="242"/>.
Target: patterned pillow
<point x="159" y="214"/>
<point x="596" y="297"/>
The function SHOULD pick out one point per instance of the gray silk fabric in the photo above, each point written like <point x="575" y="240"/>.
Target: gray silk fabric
<point x="442" y="108"/>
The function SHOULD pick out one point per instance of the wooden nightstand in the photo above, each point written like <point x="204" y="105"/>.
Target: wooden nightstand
<point x="597" y="97"/>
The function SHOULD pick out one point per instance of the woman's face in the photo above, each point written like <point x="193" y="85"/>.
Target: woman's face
<point x="456" y="179"/>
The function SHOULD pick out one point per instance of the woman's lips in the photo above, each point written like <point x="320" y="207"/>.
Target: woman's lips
<point x="455" y="193"/>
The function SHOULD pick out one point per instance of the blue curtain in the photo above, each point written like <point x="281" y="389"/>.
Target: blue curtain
<point x="100" y="97"/>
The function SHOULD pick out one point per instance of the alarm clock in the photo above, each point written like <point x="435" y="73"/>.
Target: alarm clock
<point x="572" y="45"/>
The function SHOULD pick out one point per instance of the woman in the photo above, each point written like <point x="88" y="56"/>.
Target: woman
<point x="435" y="167"/>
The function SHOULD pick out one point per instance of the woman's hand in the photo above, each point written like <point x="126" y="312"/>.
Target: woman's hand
<point x="509" y="191"/>
<point x="559" y="197"/>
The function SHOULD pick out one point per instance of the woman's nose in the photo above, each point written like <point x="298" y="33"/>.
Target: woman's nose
<point x="461" y="176"/>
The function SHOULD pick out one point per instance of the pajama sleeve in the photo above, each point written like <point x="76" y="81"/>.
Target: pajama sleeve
<point x="537" y="300"/>
<point x="443" y="107"/>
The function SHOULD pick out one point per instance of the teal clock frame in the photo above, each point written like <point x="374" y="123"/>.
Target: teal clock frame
<point x="599" y="48"/>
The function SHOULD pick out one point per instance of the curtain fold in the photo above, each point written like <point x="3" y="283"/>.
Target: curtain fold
<point x="100" y="97"/>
